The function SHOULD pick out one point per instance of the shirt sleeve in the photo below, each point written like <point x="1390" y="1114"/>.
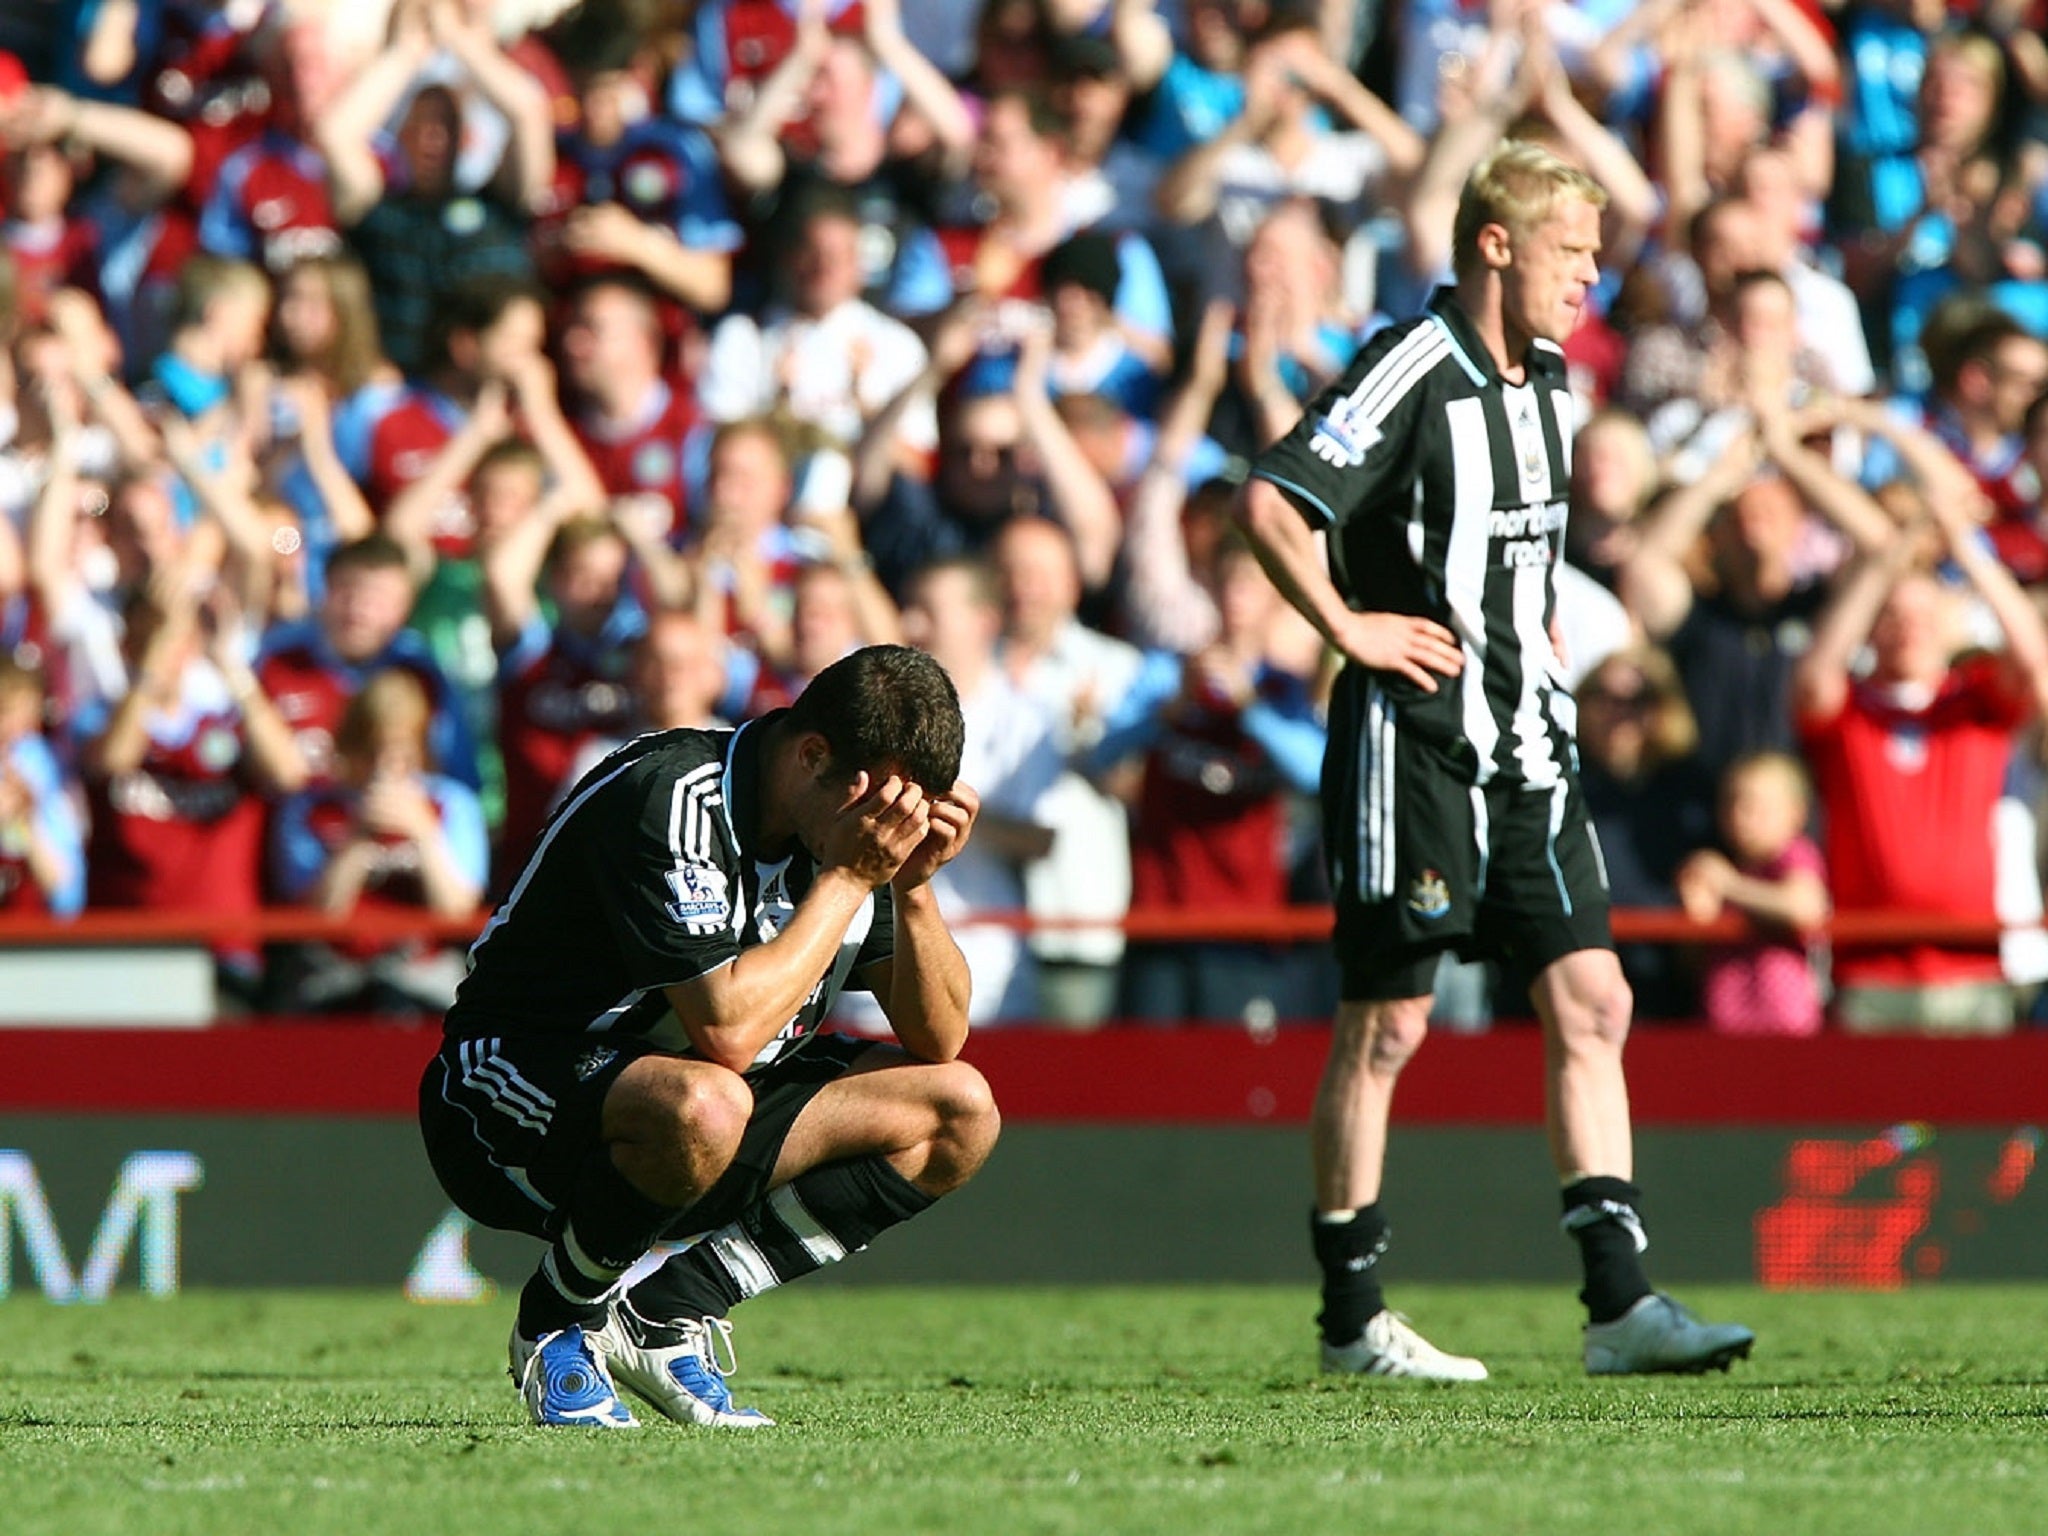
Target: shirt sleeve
<point x="1354" y="445"/>
<point x="668" y="874"/>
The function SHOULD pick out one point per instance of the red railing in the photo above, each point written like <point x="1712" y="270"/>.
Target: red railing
<point x="1306" y="924"/>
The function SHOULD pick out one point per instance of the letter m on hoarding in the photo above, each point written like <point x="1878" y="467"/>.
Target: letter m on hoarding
<point x="142" y="1211"/>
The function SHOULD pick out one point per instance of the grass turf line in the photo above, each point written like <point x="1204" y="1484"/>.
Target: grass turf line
<point x="1099" y="1411"/>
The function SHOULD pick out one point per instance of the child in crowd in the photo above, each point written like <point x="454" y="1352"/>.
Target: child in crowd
<point x="1773" y="874"/>
<point x="42" y="841"/>
<point x="387" y="833"/>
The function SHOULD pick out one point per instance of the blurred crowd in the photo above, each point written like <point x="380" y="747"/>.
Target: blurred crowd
<point x="404" y="401"/>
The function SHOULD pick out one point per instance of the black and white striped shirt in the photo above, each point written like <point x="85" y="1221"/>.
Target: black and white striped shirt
<point x="1443" y="488"/>
<point x="650" y="874"/>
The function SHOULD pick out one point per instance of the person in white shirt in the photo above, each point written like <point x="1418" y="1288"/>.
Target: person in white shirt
<point x="827" y="356"/>
<point x="1078" y="675"/>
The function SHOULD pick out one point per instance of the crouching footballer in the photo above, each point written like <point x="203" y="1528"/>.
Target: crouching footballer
<point x="636" y="1057"/>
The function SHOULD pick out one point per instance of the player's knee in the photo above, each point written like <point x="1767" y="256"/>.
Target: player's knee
<point x="968" y="1122"/>
<point x="1395" y="1033"/>
<point x="711" y="1111"/>
<point x="1598" y="1016"/>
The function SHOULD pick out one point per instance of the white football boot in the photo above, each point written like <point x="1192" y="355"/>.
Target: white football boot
<point x="1657" y="1334"/>
<point x="1390" y="1347"/>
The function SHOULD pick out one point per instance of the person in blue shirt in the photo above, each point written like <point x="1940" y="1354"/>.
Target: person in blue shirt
<point x="42" y="842"/>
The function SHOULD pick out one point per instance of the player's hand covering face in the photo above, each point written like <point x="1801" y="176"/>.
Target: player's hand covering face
<point x="952" y="822"/>
<point x="879" y="827"/>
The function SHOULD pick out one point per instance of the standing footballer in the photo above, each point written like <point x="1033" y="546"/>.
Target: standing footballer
<point x="636" y="1053"/>
<point x="1453" y="817"/>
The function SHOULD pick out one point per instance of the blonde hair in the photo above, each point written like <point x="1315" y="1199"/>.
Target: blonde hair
<point x="1519" y="185"/>
<point x="356" y="353"/>
<point x="392" y="702"/>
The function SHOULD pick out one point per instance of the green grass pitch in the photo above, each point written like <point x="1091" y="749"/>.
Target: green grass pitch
<point x="983" y="1411"/>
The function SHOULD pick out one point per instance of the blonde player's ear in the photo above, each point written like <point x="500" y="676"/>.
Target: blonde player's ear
<point x="1496" y="246"/>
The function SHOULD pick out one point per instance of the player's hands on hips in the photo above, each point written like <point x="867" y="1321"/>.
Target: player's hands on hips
<point x="882" y="826"/>
<point x="952" y="823"/>
<point x="1421" y="650"/>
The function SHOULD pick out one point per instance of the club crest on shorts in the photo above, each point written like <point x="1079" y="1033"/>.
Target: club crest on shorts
<point x="700" y="895"/>
<point x="1429" y="895"/>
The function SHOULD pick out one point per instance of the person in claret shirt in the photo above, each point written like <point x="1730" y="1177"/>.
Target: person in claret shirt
<point x="634" y="425"/>
<point x="1910" y="762"/>
<point x="388" y="834"/>
<point x="90" y="202"/>
<point x="175" y="768"/>
<point x="486" y="332"/>
<point x="1221" y="738"/>
<point x="42" y="842"/>
<point x="560" y="683"/>
<point x="312" y="668"/>
<point x="1770" y="871"/>
<point x="638" y="193"/>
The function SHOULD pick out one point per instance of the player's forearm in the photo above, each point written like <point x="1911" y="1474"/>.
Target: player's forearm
<point x="1287" y="549"/>
<point x="929" y="986"/>
<point x="732" y="1013"/>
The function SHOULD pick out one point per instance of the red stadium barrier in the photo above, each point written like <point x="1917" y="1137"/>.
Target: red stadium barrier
<point x="1191" y="1074"/>
<point x="1305" y="924"/>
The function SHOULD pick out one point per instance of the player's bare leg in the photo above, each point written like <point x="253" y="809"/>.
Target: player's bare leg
<point x="1370" y="1043"/>
<point x="1585" y="1005"/>
<point x="870" y="1149"/>
<point x="669" y="1129"/>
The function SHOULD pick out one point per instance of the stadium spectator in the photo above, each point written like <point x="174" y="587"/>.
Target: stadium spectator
<point x="1221" y="740"/>
<point x="560" y="678"/>
<point x="415" y="228"/>
<point x="1913" y="758"/>
<point x="822" y="356"/>
<point x="42" y="839"/>
<point x="953" y="612"/>
<point x="634" y="423"/>
<point x="1020" y="176"/>
<point x="324" y="348"/>
<point x="830" y="85"/>
<point x="1192" y="93"/>
<point x="674" y="680"/>
<point x="637" y="193"/>
<point x="836" y="605"/>
<point x="1947" y="210"/>
<point x="311" y="669"/>
<point x="1767" y="869"/>
<point x="58" y="239"/>
<point x="1984" y="374"/>
<point x="1276" y="149"/>
<point x="1112" y="181"/>
<point x="1737" y="639"/>
<point x="485" y="333"/>
<point x="1614" y="477"/>
<point x="1650" y="799"/>
<point x="385" y="834"/>
<point x="1077" y="675"/>
<point x="175" y="768"/>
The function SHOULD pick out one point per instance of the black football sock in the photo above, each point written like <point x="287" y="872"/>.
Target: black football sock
<point x="610" y="1225"/>
<point x="1349" y="1253"/>
<point x="816" y="1219"/>
<point x="1601" y="1213"/>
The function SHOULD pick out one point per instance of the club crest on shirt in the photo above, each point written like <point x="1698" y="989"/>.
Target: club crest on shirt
<point x="590" y="1063"/>
<point x="700" y="894"/>
<point x="1429" y="895"/>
